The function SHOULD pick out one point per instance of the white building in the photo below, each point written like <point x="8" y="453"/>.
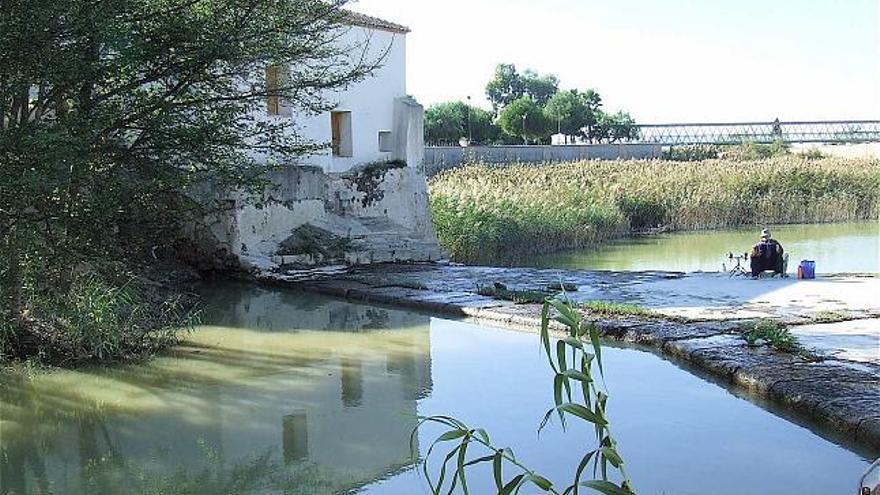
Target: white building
<point x="364" y="198"/>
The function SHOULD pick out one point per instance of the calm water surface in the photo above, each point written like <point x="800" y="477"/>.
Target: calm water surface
<point x="291" y="393"/>
<point x="836" y="248"/>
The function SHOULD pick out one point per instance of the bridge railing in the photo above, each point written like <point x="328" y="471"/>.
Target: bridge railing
<point x="830" y="131"/>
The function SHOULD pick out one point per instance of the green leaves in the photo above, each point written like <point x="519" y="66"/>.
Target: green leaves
<point x="451" y="435"/>
<point x="119" y="117"/>
<point x="582" y="413"/>
<point x="606" y="487"/>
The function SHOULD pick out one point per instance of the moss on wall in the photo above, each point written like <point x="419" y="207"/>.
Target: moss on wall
<point x="368" y="179"/>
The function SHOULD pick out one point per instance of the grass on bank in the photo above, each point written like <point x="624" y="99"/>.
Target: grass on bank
<point x="830" y="316"/>
<point x="484" y="213"/>
<point x="773" y="333"/>
<point x="615" y="309"/>
<point x="96" y="318"/>
<point x="518" y="296"/>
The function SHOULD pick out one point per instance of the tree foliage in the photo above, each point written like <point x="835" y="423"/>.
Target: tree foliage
<point x="571" y="112"/>
<point x="446" y="123"/>
<point x="540" y="87"/>
<point x="111" y="110"/>
<point x="613" y="128"/>
<point x="574" y="113"/>
<point x="508" y="85"/>
<point x="524" y="117"/>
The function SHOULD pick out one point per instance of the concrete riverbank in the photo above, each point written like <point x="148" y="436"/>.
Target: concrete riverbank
<point x="696" y="318"/>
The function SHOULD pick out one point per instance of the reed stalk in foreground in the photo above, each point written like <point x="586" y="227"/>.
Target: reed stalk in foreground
<point x="576" y="362"/>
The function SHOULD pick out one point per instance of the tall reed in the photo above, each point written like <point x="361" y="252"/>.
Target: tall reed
<point x="486" y="213"/>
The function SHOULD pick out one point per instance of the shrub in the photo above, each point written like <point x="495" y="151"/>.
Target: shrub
<point x="812" y="154"/>
<point x="691" y="153"/>
<point x="828" y="316"/>
<point x="517" y="296"/>
<point x="750" y="150"/>
<point x="98" y="318"/>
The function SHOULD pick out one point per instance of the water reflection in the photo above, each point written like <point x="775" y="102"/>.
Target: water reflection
<point x="266" y="396"/>
<point x="289" y="393"/>
<point x="836" y="248"/>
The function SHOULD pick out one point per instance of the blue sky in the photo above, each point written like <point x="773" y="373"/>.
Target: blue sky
<point x="663" y="61"/>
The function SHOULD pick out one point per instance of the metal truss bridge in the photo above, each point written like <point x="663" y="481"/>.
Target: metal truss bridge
<point x="830" y="131"/>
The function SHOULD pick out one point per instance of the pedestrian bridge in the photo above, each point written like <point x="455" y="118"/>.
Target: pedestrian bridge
<point x="827" y="131"/>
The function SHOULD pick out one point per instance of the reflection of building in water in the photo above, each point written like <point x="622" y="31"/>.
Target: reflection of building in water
<point x="414" y="371"/>
<point x="352" y="381"/>
<point x="339" y="404"/>
<point x="295" y="437"/>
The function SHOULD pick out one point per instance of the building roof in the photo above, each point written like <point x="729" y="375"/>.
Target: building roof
<point x="367" y="21"/>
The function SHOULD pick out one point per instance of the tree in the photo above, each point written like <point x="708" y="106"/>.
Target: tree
<point x="593" y="102"/>
<point x="111" y="111"/>
<point x="525" y="118"/>
<point x="508" y="85"/>
<point x="569" y="112"/>
<point x="622" y="127"/>
<point x="446" y="123"/>
<point x="613" y="128"/>
<point x="483" y="128"/>
<point x="505" y="87"/>
<point x="540" y="88"/>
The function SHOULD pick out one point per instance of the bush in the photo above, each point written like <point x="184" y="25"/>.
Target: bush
<point x="97" y="318"/>
<point x="750" y="150"/>
<point x="812" y="154"/>
<point x="691" y="153"/>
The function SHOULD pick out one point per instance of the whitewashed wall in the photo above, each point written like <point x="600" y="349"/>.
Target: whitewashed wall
<point x="371" y="102"/>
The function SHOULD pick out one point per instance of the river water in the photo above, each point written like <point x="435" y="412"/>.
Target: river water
<point x="836" y="248"/>
<point x="284" y="392"/>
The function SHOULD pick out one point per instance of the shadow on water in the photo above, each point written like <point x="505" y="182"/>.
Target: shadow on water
<point x="277" y="392"/>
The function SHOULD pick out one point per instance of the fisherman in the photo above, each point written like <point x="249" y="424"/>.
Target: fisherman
<point x="767" y="255"/>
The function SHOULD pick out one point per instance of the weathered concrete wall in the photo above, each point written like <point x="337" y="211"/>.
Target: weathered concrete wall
<point x="439" y="158"/>
<point x="379" y="211"/>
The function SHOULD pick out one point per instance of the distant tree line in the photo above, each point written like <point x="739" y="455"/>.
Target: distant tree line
<point x="527" y="107"/>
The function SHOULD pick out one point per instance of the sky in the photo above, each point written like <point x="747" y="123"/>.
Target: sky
<point x="661" y="60"/>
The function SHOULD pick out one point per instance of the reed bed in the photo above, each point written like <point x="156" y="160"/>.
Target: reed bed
<point x="498" y="213"/>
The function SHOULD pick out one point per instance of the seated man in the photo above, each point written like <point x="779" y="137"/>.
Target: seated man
<point x="767" y="255"/>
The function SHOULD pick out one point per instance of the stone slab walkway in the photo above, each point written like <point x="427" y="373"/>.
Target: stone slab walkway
<point x="697" y="320"/>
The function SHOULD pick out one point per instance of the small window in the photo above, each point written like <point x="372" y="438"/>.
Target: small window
<point x="384" y="141"/>
<point x="276" y="77"/>
<point x="273" y="100"/>
<point x="340" y="123"/>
